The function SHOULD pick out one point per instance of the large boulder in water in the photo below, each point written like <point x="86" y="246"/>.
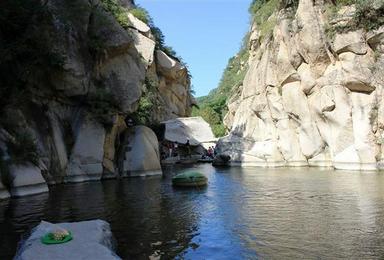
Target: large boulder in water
<point x="86" y="160"/>
<point x="140" y="152"/>
<point x="221" y="160"/>
<point x="91" y="240"/>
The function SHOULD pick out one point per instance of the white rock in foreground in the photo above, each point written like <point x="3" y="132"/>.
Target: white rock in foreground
<point x="91" y="240"/>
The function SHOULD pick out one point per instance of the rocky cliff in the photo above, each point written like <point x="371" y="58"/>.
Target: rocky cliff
<point x="313" y="88"/>
<point x="73" y="74"/>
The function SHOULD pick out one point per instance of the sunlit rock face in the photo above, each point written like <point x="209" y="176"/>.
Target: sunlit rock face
<point x="310" y="99"/>
<point x="140" y="155"/>
<point x="95" y="75"/>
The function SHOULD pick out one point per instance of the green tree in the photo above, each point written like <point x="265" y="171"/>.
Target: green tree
<point x="142" y="14"/>
<point x="119" y="12"/>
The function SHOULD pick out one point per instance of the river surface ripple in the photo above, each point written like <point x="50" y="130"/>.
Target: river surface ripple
<point x="242" y="214"/>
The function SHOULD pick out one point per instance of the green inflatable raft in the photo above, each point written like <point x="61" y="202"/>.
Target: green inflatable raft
<point x="190" y="179"/>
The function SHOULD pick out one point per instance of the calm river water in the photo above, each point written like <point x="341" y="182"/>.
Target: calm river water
<point x="242" y="214"/>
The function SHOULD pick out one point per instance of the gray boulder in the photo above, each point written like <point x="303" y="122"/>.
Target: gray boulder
<point x="91" y="240"/>
<point x="86" y="159"/>
<point x="141" y="152"/>
<point x="221" y="160"/>
<point x="26" y="180"/>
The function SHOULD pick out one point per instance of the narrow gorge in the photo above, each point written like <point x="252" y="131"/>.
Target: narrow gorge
<point x="75" y="75"/>
<point x="105" y="153"/>
<point x="312" y="91"/>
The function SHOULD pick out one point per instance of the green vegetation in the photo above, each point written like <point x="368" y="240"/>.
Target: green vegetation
<point x="101" y="105"/>
<point x="160" y="44"/>
<point x="214" y="106"/>
<point x="119" y="12"/>
<point x="141" y="14"/>
<point x="366" y="17"/>
<point x="261" y="11"/>
<point x="147" y="103"/>
<point x="143" y="114"/>
<point x="212" y="117"/>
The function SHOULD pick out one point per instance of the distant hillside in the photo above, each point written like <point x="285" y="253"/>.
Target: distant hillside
<point x="213" y="106"/>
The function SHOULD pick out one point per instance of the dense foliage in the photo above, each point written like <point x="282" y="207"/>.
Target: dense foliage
<point x="147" y="103"/>
<point x="365" y="17"/>
<point x="261" y="11"/>
<point x="119" y="12"/>
<point x="141" y="14"/>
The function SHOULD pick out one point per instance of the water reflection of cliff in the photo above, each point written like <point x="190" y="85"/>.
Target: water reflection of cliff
<point x="243" y="213"/>
<point x="146" y="215"/>
<point x="310" y="213"/>
<point x="17" y="216"/>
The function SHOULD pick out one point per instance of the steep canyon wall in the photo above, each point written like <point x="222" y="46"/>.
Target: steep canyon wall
<point x="73" y="73"/>
<point x="313" y="91"/>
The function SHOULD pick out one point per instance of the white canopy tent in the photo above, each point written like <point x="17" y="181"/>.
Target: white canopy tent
<point x="194" y="129"/>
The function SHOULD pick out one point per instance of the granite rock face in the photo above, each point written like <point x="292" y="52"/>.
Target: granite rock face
<point x="309" y="99"/>
<point x="86" y="160"/>
<point x="93" y="74"/>
<point x="26" y="180"/>
<point x="141" y="156"/>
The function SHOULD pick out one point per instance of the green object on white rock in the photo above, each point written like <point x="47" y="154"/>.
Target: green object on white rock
<point x="57" y="237"/>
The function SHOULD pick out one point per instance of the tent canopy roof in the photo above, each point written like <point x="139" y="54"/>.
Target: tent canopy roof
<point x="194" y="129"/>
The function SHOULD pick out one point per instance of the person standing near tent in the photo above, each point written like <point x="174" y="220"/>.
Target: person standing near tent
<point x="170" y="148"/>
<point x="188" y="146"/>
<point x="210" y="152"/>
<point x="175" y="146"/>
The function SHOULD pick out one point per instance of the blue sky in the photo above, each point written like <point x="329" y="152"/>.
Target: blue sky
<point x="205" y="33"/>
